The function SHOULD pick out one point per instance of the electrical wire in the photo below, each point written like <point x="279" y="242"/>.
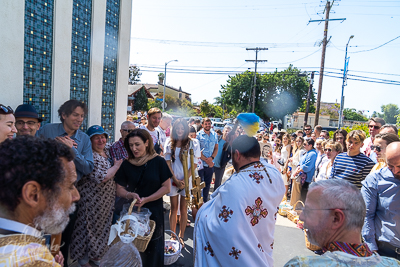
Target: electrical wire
<point x="375" y="47"/>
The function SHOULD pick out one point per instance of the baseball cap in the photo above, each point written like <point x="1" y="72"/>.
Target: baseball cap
<point x="96" y="129"/>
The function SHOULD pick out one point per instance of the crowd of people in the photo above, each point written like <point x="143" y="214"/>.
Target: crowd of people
<point x="60" y="180"/>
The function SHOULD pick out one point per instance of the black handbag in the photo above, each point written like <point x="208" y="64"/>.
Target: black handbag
<point x="157" y="146"/>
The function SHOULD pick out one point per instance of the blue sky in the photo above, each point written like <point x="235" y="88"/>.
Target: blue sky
<point x="212" y="36"/>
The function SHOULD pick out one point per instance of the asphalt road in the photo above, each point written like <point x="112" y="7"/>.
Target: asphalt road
<point x="289" y="241"/>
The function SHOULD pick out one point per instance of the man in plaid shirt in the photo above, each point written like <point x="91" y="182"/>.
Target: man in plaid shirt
<point x="117" y="150"/>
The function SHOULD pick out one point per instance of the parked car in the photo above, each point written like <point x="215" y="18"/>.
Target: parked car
<point x="217" y="125"/>
<point x="227" y="121"/>
<point x="275" y="123"/>
<point x="216" y="119"/>
<point x="197" y="118"/>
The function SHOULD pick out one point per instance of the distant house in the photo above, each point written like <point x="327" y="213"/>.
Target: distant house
<point x="133" y="90"/>
<point x="156" y="89"/>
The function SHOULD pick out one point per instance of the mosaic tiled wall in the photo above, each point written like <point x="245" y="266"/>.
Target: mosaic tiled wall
<point x="38" y="42"/>
<point x="80" y="52"/>
<point x="110" y="67"/>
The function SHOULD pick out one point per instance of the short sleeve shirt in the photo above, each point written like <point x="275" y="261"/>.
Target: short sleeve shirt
<point x="155" y="174"/>
<point x="154" y="134"/>
<point x="207" y="143"/>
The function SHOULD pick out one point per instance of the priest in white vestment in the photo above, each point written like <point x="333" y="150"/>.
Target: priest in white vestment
<point x="236" y="227"/>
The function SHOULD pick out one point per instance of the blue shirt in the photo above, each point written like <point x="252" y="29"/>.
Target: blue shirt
<point x="351" y="168"/>
<point x="217" y="159"/>
<point x="207" y="143"/>
<point x="307" y="164"/>
<point x="83" y="153"/>
<point x="381" y="193"/>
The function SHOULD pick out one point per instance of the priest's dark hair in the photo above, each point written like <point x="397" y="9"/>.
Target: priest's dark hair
<point x="27" y="158"/>
<point x="247" y="146"/>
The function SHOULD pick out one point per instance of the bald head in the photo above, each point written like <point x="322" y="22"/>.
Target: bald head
<point x="393" y="158"/>
<point x="126" y="128"/>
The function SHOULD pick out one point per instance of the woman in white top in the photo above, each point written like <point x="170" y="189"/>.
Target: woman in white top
<point x="276" y="154"/>
<point x="285" y="154"/>
<point x="174" y="146"/>
<point x="298" y="152"/>
<point x="332" y="149"/>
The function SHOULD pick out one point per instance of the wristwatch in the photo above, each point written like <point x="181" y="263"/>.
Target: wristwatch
<point x="212" y="157"/>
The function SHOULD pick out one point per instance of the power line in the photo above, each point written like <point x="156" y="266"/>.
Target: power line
<point x="376" y="47"/>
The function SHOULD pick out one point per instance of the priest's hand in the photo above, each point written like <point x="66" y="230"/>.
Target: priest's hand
<point x="59" y="258"/>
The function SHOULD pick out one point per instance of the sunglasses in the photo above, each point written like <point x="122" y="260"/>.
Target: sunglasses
<point x="266" y="139"/>
<point x="6" y="110"/>
<point x="328" y="149"/>
<point x="377" y="148"/>
<point x="127" y="130"/>
<point x="374" y="126"/>
<point x="307" y="129"/>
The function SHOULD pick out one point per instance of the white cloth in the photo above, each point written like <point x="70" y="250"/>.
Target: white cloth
<point x="15" y="226"/>
<point x="236" y="226"/>
<point x="285" y="156"/>
<point x="177" y="167"/>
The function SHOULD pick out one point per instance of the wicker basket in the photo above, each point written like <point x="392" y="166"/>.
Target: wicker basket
<point x="295" y="213"/>
<point x="140" y="242"/>
<point x="283" y="209"/>
<point x="172" y="258"/>
<point x="309" y="245"/>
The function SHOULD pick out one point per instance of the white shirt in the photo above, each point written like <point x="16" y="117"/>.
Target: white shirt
<point x="154" y="134"/>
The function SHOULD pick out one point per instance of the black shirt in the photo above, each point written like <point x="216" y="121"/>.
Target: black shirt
<point x="156" y="172"/>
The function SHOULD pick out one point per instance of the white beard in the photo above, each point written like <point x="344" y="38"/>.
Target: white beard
<point x="54" y="220"/>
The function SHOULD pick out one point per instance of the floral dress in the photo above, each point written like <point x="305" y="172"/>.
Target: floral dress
<point x="95" y="211"/>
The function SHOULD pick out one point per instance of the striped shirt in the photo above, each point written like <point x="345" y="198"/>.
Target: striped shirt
<point x="352" y="168"/>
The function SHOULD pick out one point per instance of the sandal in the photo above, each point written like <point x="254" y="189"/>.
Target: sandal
<point x="182" y="242"/>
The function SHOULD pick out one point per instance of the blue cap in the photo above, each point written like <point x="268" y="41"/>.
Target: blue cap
<point x="96" y="129"/>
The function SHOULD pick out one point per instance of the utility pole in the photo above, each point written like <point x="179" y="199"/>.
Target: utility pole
<point x="324" y="43"/>
<point x="255" y="73"/>
<point x="345" y="69"/>
<point x="308" y="99"/>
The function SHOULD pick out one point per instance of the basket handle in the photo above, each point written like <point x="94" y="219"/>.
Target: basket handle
<point x="127" y="239"/>
<point x="295" y="204"/>
<point x="129" y="213"/>
<point x="180" y="245"/>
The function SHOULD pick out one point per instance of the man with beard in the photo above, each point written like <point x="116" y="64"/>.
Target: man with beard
<point x="154" y="118"/>
<point x="37" y="178"/>
<point x="374" y="128"/>
<point x="381" y="192"/>
<point x="333" y="216"/>
<point x="236" y="226"/>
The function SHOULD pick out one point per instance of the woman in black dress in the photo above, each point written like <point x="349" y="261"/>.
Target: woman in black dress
<point x="145" y="176"/>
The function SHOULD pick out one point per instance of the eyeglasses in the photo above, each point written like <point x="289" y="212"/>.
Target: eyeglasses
<point x="328" y="149"/>
<point x="374" y="126"/>
<point x="377" y="148"/>
<point x="307" y="129"/>
<point x="22" y="123"/>
<point x="6" y="110"/>
<point x="128" y="130"/>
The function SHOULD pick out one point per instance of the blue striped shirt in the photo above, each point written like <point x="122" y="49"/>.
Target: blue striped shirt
<point x="351" y="168"/>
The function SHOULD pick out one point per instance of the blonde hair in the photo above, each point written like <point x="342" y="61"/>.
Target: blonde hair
<point x="357" y="135"/>
<point x="335" y="145"/>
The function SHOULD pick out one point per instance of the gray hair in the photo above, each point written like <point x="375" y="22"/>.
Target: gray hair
<point x="339" y="193"/>
<point x="126" y="123"/>
<point x="227" y="127"/>
<point x="166" y="116"/>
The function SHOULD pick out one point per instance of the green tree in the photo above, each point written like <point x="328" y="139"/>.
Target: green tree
<point x="153" y="103"/>
<point x="389" y="113"/>
<point x="134" y="74"/>
<point x="141" y="100"/>
<point x="161" y="77"/>
<point x="277" y="93"/>
<point x="303" y="107"/>
<point x="352" y="114"/>
<point x="205" y="108"/>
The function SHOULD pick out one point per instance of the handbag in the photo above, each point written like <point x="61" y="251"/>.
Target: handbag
<point x="301" y="178"/>
<point x="157" y="146"/>
<point x="121" y="201"/>
<point x="281" y="162"/>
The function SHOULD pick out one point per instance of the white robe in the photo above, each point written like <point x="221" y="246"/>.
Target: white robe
<point x="236" y="227"/>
